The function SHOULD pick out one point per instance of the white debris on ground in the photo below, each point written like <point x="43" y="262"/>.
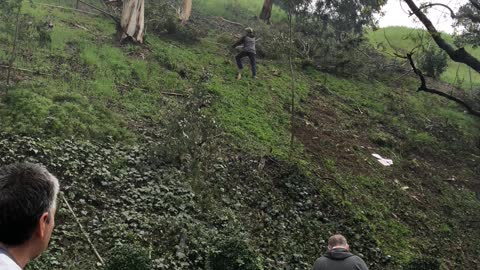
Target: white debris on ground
<point x="383" y="161"/>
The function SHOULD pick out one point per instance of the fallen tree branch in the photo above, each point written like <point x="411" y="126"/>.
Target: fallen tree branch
<point x="232" y="22"/>
<point x="80" y="26"/>
<point x="113" y="17"/>
<point x="83" y="231"/>
<point x="403" y="75"/>
<point x="163" y="93"/>
<point x="423" y="87"/>
<point x="67" y="8"/>
<point x="23" y="69"/>
<point x="173" y="94"/>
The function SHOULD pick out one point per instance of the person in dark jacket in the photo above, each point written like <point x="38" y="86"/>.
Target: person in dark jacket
<point x="248" y="42"/>
<point x="338" y="256"/>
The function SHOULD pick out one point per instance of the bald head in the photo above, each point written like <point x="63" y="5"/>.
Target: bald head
<point x="337" y="241"/>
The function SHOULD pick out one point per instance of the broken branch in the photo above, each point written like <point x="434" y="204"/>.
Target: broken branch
<point x="423" y="87"/>
<point x="67" y="8"/>
<point x="22" y="69"/>
<point x="83" y="231"/>
<point x="232" y="22"/>
<point x="458" y="55"/>
<point x="163" y="93"/>
<point x="113" y="17"/>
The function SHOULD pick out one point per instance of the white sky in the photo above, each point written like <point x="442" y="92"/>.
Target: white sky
<point x="396" y="14"/>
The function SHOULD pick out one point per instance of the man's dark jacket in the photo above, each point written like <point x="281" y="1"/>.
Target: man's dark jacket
<point x="339" y="259"/>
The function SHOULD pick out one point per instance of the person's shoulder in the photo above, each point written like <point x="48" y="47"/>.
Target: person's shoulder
<point x="7" y="264"/>
<point x="357" y="260"/>
<point x="320" y="260"/>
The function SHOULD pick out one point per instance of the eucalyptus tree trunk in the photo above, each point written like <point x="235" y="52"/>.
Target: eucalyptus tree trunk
<point x="132" y="22"/>
<point x="186" y="11"/>
<point x="266" y="10"/>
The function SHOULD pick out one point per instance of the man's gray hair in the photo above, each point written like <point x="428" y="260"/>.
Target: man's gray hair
<point x="27" y="191"/>
<point x="337" y="240"/>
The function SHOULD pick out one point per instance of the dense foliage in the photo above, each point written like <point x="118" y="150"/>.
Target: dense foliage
<point x="433" y="61"/>
<point x="468" y="19"/>
<point x="171" y="163"/>
<point x="128" y="258"/>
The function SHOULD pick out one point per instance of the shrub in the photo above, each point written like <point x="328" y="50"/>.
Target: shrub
<point x="424" y="139"/>
<point x="233" y="254"/>
<point x="382" y="139"/>
<point x="128" y="258"/>
<point x="433" y="61"/>
<point x="423" y="263"/>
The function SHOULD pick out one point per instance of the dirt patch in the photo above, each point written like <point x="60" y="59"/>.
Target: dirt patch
<point x="324" y="136"/>
<point x="343" y="138"/>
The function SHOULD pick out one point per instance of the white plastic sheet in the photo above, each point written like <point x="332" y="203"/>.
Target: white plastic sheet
<point x="384" y="161"/>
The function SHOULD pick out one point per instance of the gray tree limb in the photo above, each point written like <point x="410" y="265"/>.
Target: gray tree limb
<point x="459" y="55"/>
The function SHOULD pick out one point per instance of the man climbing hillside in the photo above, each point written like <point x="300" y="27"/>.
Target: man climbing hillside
<point x="338" y="256"/>
<point x="248" y="42"/>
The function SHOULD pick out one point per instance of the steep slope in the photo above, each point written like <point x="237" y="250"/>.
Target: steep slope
<point x="159" y="146"/>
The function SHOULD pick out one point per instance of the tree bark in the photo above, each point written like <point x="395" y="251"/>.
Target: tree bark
<point x="458" y="55"/>
<point x="133" y="20"/>
<point x="266" y="12"/>
<point x="186" y="11"/>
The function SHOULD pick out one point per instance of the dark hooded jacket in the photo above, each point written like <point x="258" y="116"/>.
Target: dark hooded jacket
<point x="248" y="43"/>
<point x="339" y="259"/>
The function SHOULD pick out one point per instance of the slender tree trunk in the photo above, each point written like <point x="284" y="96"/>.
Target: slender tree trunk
<point x="186" y="11"/>
<point x="133" y="21"/>
<point x="266" y="12"/>
<point x="14" y="48"/>
<point x="292" y="85"/>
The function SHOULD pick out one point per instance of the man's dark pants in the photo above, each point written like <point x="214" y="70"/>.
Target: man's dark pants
<point x="253" y="63"/>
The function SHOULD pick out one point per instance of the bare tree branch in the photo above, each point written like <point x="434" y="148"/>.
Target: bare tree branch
<point x="452" y="13"/>
<point x="100" y="259"/>
<point x="470" y="15"/>
<point x="423" y="87"/>
<point x="113" y="17"/>
<point x="458" y="55"/>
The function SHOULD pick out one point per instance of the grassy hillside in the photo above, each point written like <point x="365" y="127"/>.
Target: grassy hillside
<point x="405" y="39"/>
<point x="159" y="148"/>
<point x="237" y="9"/>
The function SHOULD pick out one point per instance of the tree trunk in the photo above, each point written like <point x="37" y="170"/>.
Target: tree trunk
<point x="266" y="10"/>
<point x="132" y="22"/>
<point x="186" y="11"/>
<point x="14" y="48"/>
<point x="292" y="82"/>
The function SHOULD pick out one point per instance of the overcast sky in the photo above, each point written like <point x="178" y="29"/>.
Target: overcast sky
<point x="396" y="14"/>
